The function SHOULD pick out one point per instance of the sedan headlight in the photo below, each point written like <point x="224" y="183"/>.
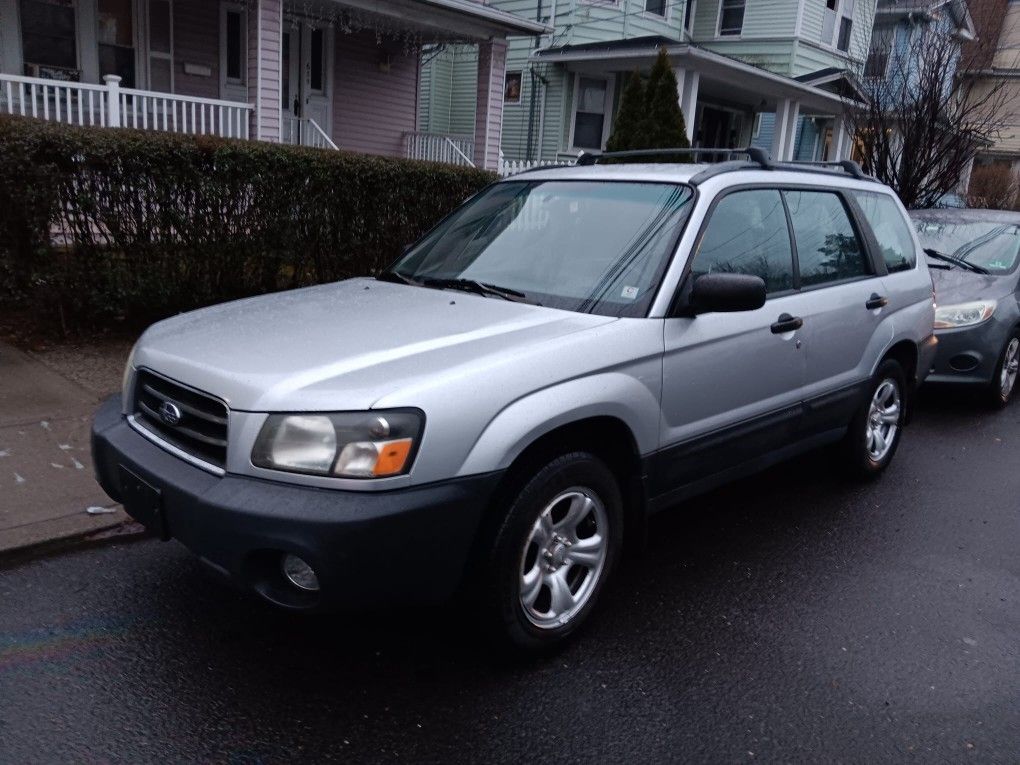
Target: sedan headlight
<point x="964" y="314"/>
<point x="346" y="445"/>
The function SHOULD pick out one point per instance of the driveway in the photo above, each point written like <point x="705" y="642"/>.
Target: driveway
<point x="791" y="617"/>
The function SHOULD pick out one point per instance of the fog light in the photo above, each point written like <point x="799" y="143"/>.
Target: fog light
<point x="299" y="573"/>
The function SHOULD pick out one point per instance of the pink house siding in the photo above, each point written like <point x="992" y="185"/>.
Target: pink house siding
<point x="372" y="108"/>
<point x="265" y="32"/>
<point x="197" y="41"/>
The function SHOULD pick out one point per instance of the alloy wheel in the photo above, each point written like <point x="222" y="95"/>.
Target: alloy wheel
<point x="1010" y="365"/>
<point x="563" y="558"/>
<point x="883" y="419"/>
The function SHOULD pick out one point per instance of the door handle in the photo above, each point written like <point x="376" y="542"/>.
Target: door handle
<point x="786" y="323"/>
<point x="876" y="301"/>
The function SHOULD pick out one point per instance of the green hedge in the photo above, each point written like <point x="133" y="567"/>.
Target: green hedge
<point x="100" y="226"/>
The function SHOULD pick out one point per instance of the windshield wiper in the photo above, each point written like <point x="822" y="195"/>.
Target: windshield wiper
<point x="479" y="288"/>
<point x="956" y="261"/>
<point x="396" y="278"/>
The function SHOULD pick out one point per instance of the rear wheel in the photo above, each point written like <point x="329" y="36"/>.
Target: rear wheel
<point x="875" y="430"/>
<point x="1000" y="390"/>
<point x="554" y="551"/>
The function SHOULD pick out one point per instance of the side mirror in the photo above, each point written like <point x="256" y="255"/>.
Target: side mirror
<point x="727" y="293"/>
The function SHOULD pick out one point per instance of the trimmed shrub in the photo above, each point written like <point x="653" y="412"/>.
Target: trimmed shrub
<point x="101" y="227"/>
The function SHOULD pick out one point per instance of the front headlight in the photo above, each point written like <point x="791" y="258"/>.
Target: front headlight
<point x="346" y="445"/>
<point x="964" y="314"/>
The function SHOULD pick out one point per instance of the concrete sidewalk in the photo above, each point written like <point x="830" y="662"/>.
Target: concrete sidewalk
<point x="46" y="481"/>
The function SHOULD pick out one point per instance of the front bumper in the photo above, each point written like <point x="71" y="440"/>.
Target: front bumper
<point x="969" y="355"/>
<point x="368" y="549"/>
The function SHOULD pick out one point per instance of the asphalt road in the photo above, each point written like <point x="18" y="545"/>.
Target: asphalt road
<point x="791" y="617"/>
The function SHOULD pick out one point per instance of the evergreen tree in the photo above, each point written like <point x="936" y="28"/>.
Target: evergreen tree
<point x="631" y="124"/>
<point x="665" y="121"/>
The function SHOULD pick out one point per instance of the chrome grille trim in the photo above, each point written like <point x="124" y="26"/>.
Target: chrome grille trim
<point x="198" y="424"/>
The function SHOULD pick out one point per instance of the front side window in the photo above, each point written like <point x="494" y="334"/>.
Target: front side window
<point x="590" y="115"/>
<point x="891" y="230"/>
<point x="748" y="234"/>
<point x="827" y="246"/>
<point x="591" y="247"/>
<point x="731" y="17"/>
<point x="991" y="245"/>
<point x="48" y="36"/>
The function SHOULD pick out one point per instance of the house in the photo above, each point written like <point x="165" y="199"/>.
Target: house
<point x="327" y="73"/>
<point x="772" y="73"/>
<point x="997" y="67"/>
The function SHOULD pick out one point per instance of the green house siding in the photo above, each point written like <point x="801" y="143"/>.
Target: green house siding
<point x="446" y="95"/>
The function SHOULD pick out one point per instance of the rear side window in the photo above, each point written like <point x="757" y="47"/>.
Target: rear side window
<point x="891" y="230"/>
<point x="827" y="246"/>
<point x="747" y="234"/>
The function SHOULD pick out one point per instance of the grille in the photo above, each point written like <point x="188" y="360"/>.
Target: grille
<point x="200" y="428"/>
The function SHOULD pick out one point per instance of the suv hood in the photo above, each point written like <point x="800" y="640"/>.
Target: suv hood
<point x="343" y="346"/>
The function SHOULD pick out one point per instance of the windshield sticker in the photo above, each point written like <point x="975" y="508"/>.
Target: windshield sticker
<point x="629" y="292"/>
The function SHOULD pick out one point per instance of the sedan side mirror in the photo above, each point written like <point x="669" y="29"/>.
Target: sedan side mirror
<point x="715" y="293"/>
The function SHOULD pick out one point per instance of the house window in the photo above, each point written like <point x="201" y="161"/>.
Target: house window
<point x="235" y="45"/>
<point x="161" y="46"/>
<point x="658" y="7"/>
<point x="845" y="25"/>
<point x="512" y="88"/>
<point x="590" y="113"/>
<point x="48" y="36"/>
<point x="837" y="23"/>
<point x="877" y="64"/>
<point x="731" y="17"/>
<point x="116" y="40"/>
<point x="689" y="16"/>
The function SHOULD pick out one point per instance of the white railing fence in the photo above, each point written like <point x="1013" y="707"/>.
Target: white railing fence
<point x="109" y="105"/>
<point x="439" y="147"/>
<point x="511" y="166"/>
<point x="304" y="131"/>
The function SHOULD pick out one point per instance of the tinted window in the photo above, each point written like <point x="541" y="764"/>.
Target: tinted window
<point x="891" y="230"/>
<point x="827" y="246"/>
<point x="748" y="234"/>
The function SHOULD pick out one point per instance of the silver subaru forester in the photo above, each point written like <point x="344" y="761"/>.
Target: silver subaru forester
<point x="570" y="351"/>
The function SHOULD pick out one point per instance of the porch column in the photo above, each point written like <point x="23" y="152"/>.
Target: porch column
<point x="687" y="82"/>
<point x="785" y="136"/>
<point x="489" y="103"/>
<point x="265" y="67"/>
<point x="841" y="143"/>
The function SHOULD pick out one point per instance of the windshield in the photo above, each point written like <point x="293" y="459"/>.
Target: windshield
<point x="991" y="245"/>
<point x="587" y="246"/>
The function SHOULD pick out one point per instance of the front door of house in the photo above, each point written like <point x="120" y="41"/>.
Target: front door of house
<point x="307" y="74"/>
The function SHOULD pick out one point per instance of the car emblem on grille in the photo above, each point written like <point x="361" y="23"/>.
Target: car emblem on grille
<point x="170" y="413"/>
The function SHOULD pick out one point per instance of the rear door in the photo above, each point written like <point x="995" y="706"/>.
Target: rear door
<point x="844" y="302"/>
<point x="732" y="382"/>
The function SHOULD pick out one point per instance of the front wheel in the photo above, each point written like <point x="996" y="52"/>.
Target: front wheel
<point x="1000" y="390"/>
<point x="554" y="551"/>
<point x="875" y="430"/>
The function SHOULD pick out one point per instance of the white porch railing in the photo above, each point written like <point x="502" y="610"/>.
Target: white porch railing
<point x="304" y="131"/>
<point x="109" y="105"/>
<point x="511" y="166"/>
<point x="438" y="147"/>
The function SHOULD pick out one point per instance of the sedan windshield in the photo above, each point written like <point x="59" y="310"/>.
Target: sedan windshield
<point x="991" y="246"/>
<point x="593" y="247"/>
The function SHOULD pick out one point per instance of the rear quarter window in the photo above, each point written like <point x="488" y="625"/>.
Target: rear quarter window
<point x="892" y="232"/>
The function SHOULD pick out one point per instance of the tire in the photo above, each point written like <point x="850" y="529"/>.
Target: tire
<point x="575" y="488"/>
<point x="1000" y="389"/>
<point x="873" y="436"/>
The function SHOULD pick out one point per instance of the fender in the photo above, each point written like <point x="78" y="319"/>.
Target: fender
<point x="521" y="423"/>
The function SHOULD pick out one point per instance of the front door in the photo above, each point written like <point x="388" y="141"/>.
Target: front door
<point x="307" y="75"/>
<point x="733" y="382"/>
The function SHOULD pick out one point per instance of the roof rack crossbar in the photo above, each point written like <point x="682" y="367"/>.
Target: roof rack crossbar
<point x="756" y="155"/>
<point x="847" y="165"/>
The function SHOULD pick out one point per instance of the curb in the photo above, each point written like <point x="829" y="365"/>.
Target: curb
<point x="127" y="531"/>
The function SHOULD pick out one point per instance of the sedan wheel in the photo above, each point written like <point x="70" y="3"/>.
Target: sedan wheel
<point x="1010" y="364"/>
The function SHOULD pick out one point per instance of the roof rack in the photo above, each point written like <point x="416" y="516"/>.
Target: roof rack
<point x="757" y="158"/>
